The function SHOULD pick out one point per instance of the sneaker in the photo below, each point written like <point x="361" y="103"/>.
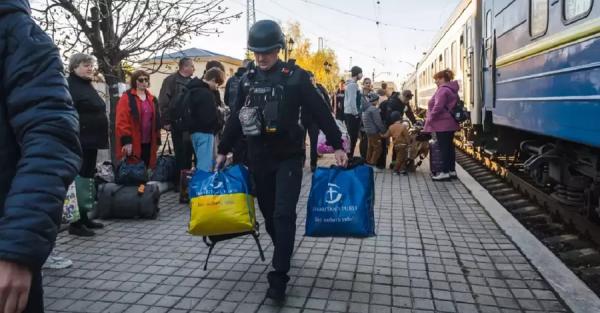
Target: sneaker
<point x="453" y="174"/>
<point x="276" y="294"/>
<point x="441" y="177"/>
<point x="80" y="230"/>
<point x="57" y="262"/>
<point x="93" y="225"/>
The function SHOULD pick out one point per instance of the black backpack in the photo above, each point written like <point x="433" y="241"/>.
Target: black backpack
<point x="459" y="113"/>
<point x="182" y="110"/>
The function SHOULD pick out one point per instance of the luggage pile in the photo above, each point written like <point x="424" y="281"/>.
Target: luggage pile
<point x="128" y="193"/>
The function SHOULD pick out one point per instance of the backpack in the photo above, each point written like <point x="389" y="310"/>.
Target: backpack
<point x="182" y="109"/>
<point x="458" y="113"/>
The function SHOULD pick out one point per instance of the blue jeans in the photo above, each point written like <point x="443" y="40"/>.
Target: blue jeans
<point x="203" y="146"/>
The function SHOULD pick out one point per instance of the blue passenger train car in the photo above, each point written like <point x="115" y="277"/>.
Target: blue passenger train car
<point x="530" y="76"/>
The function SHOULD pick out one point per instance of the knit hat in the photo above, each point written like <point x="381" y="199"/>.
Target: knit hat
<point x="372" y="97"/>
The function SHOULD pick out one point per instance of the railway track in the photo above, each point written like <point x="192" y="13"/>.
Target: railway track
<point x="570" y="235"/>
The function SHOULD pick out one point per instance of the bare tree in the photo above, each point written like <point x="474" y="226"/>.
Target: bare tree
<point x="120" y="31"/>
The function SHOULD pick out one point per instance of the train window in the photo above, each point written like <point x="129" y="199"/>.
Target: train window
<point x="538" y="17"/>
<point x="576" y="9"/>
<point x="488" y="24"/>
<point x="446" y="59"/>
<point x="453" y="56"/>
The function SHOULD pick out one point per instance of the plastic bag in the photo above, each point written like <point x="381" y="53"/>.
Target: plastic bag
<point x="221" y="202"/>
<point x="70" y="208"/>
<point x="341" y="202"/>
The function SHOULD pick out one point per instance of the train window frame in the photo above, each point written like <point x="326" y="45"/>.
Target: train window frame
<point x="576" y="18"/>
<point x="541" y="34"/>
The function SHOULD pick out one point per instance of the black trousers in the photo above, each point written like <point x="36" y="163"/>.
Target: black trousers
<point x="146" y="150"/>
<point x="35" y="303"/>
<point x="184" y="151"/>
<point x="384" y="153"/>
<point x="445" y="140"/>
<point x="277" y="185"/>
<point x="313" y="136"/>
<point x="88" y="163"/>
<point x="240" y="152"/>
<point x="353" y="127"/>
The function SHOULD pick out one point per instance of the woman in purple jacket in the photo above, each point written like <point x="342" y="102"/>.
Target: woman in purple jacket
<point x="440" y="122"/>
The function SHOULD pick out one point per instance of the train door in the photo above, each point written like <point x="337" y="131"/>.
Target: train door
<point x="467" y="68"/>
<point x="488" y="56"/>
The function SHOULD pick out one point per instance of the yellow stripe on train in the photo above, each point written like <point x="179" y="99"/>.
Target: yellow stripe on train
<point x="221" y="214"/>
<point x="578" y="33"/>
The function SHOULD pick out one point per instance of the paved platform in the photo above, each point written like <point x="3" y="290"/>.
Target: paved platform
<point x="436" y="250"/>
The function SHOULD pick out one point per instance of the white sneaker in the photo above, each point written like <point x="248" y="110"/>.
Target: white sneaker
<point x="441" y="176"/>
<point x="57" y="262"/>
<point x="453" y="174"/>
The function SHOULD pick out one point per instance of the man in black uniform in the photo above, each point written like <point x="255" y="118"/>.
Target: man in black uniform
<point x="272" y="96"/>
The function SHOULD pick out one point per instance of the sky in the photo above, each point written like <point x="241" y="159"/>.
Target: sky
<point x="390" y="49"/>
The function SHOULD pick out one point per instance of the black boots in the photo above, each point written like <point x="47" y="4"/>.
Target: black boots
<point x="86" y="196"/>
<point x="277" y="286"/>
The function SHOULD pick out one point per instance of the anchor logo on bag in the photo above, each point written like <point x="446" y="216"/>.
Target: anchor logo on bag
<point x="216" y="184"/>
<point x="333" y="195"/>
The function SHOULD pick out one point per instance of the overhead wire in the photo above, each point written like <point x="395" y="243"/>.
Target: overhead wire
<point x="367" y="18"/>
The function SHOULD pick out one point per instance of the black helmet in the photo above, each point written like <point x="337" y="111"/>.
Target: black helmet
<point x="265" y="36"/>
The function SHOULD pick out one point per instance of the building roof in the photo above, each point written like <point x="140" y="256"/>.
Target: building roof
<point x="191" y="53"/>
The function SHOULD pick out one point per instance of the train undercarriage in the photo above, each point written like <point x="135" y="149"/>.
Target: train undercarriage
<point x="568" y="171"/>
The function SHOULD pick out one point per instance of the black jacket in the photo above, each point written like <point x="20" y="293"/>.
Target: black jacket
<point x="39" y="145"/>
<point x="232" y="87"/>
<point x="301" y="96"/>
<point x="203" y="108"/>
<point x="323" y="91"/>
<point x="394" y="104"/>
<point x="93" y="123"/>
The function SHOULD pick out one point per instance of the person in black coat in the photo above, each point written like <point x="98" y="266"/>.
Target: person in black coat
<point x="204" y="115"/>
<point x="39" y="154"/>
<point x="93" y="135"/>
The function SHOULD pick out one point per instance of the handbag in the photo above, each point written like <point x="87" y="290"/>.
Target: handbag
<point x="105" y="172"/>
<point x="70" y="212"/>
<point x="166" y="165"/>
<point x="131" y="171"/>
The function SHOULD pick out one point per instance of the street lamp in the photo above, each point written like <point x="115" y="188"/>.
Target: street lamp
<point x="289" y="47"/>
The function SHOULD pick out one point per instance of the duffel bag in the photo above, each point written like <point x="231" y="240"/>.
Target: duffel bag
<point x="341" y="202"/>
<point x="131" y="171"/>
<point x="166" y="165"/>
<point x="118" y="201"/>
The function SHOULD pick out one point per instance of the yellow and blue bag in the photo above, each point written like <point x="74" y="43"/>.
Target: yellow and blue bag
<point x="221" y="203"/>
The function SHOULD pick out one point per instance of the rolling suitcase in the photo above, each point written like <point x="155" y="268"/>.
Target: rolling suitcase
<point x="436" y="162"/>
<point x="118" y="201"/>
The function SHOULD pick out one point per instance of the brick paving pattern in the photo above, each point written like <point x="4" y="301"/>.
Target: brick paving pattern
<point x="436" y="250"/>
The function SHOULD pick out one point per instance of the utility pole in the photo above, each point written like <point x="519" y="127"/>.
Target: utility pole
<point x="250" y="20"/>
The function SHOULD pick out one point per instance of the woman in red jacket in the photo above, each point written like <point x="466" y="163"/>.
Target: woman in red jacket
<point x="137" y="123"/>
